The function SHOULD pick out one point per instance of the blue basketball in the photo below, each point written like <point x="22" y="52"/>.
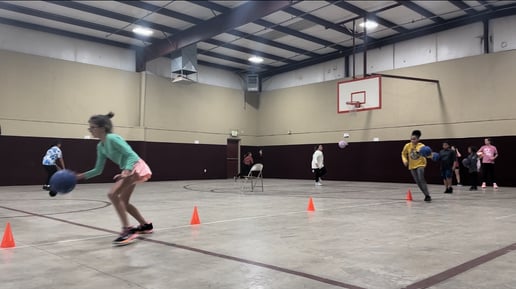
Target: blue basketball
<point x="425" y="151"/>
<point x="435" y="157"/>
<point x="63" y="181"/>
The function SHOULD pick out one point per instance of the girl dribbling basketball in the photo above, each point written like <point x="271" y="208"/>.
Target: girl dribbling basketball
<point x="134" y="170"/>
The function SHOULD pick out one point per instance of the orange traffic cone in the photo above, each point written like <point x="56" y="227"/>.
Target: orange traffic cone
<point x="195" y="217"/>
<point x="311" y="207"/>
<point x="409" y="195"/>
<point x="8" y="240"/>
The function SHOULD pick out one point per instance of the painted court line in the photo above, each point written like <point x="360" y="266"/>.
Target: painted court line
<point x="60" y="220"/>
<point x="205" y="252"/>
<point x="61" y="242"/>
<point x="505" y="217"/>
<point x="454" y="271"/>
<point x="422" y="284"/>
<point x="259" y="264"/>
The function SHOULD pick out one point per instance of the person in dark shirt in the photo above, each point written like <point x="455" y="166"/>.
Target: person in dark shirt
<point x="447" y="157"/>
<point x="258" y="158"/>
<point x="471" y="162"/>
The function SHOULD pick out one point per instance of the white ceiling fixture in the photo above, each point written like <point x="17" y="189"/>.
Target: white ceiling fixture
<point x="368" y="24"/>
<point x="143" y="31"/>
<point x="255" y="59"/>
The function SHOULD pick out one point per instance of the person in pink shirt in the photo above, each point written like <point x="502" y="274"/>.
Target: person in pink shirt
<point x="488" y="154"/>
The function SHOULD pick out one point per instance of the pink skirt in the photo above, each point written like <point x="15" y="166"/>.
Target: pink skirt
<point x="142" y="171"/>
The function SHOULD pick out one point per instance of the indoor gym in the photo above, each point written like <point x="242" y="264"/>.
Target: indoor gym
<point x="361" y="232"/>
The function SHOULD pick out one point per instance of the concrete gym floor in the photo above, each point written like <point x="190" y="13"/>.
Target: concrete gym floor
<point x="361" y="235"/>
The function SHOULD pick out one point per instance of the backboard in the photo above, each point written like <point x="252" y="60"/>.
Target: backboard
<point x="359" y="94"/>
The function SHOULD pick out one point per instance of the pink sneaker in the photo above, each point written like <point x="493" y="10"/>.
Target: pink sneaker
<point x="495" y="186"/>
<point x="483" y="185"/>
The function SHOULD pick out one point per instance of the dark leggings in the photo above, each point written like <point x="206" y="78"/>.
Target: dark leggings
<point x="419" y="177"/>
<point x="51" y="170"/>
<point x="474" y="179"/>
<point x="244" y="170"/>
<point x="488" y="173"/>
<point x="319" y="173"/>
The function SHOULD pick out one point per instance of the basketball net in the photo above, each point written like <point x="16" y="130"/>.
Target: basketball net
<point x="354" y="106"/>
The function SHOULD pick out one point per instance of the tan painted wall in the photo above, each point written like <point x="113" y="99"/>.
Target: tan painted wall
<point x="52" y="98"/>
<point x="185" y="113"/>
<point x="45" y="97"/>
<point x="477" y="99"/>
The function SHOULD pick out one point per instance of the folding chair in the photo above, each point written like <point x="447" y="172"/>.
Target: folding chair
<point x="254" y="176"/>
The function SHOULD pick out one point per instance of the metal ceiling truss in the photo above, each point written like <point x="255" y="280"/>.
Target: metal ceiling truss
<point x="228" y="20"/>
<point x="370" y="16"/>
<point x="65" y="33"/>
<point x="422" y="11"/>
<point x="190" y="19"/>
<point x="483" y="16"/>
<point x="243" y="14"/>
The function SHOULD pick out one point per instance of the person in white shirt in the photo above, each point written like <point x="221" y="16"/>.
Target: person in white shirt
<point x="318" y="164"/>
<point x="52" y="155"/>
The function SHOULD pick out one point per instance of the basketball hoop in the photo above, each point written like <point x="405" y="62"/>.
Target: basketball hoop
<point x="359" y="94"/>
<point x="355" y="104"/>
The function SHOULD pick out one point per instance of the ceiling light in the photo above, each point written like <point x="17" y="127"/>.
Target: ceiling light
<point x="143" y="31"/>
<point x="255" y="59"/>
<point x="368" y="24"/>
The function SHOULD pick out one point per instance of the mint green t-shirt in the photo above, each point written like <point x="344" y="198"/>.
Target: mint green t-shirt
<point x="116" y="149"/>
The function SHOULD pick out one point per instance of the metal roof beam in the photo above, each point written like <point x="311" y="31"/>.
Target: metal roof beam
<point x="65" y="33"/>
<point x="187" y="18"/>
<point x="69" y="20"/>
<point x="220" y="8"/>
<point x="502" y="11"/>
<point x="463" y="6"/>
<point x="248" y="50"/>
<point x="418" y="9"/>
<point x="272" y="43"/>
<point x="290" y="31"/>
<point x="212" y="6"/>
<point x="317" y="20"/>
<point x="267" y="24"/>
<point x="218" y="66"/>
<point x="163" y="11"/>
<point x="486" y="4"/>
<point x="239" y="16"/>
<point x="114" y="15"/>
<point x="232" y="59"/>
<point x="369" y="15"/>
<point x="374" y="12"/>
<point x="162" y="28"/>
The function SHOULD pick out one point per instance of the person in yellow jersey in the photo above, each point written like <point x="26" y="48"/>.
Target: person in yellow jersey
<point x="415" y="162"/>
